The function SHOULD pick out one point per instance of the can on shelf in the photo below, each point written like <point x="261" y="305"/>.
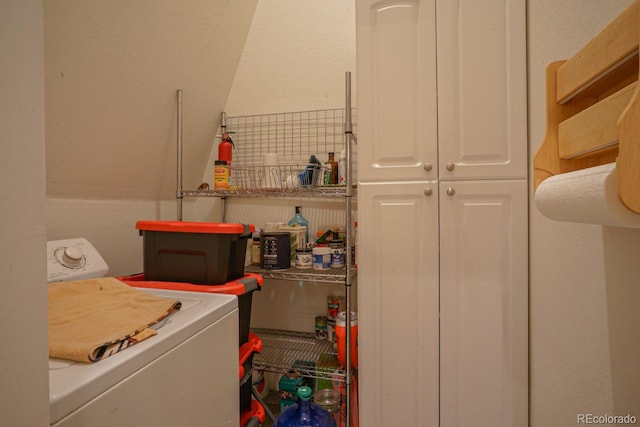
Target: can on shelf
<point x="335" y="304"/>
<point x="321" y="327"/>
<point x="321" y="258"/>
<point x="303" y="259"/>
<point x="274" y="251"/>
<point x="221" y="175"/>
<point x="337" y="253"/>
<point x="331" y="332"/>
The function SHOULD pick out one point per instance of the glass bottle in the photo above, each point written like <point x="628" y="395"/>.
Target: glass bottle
<point x="305" y="413"/>
<point x="332" y="177"/>
<point x="300" y="220"/>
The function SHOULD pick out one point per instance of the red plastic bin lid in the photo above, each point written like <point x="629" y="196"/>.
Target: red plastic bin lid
<point x="248" y="283"/>
<point x="256" y="411"/>
<point x="195" y="227"/>
<point x="253" y="345"/>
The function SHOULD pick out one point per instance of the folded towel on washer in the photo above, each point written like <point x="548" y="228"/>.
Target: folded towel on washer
<point x="95" y="318"/>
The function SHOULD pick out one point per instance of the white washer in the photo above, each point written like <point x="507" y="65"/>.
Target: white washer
<point x="73" y="259"/>
<point x="185" y="375"/>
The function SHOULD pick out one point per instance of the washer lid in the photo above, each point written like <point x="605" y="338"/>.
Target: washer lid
<point x="73" y="384"/>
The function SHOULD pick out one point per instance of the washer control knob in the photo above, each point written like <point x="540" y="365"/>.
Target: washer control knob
<point x="72" y="257"/>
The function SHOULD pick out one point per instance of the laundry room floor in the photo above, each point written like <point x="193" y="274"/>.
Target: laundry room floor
<point x="272" y="399"/>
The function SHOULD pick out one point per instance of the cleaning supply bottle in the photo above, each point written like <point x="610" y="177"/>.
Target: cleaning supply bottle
<point x="341" y="338"/>
<point x="305" y="413"/>
<point x="342" y="167"/>
<point x="300" y="220"/>
<point x="225" y="150"/>
<point x="310" y="175"/>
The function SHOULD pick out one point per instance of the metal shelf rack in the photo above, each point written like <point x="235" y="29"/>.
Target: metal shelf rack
<point x="335" y="275"/>
<point x="281" y="349"/>
<point x="295" y="136"/>
<point x="316" y="192"/>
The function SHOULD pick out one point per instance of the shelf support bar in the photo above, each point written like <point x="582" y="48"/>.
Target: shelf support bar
<point x="348" y="195"/>
<point x="179" y="194"/>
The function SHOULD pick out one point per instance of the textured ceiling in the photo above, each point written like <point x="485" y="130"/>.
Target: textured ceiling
<point x="112" y="69"/>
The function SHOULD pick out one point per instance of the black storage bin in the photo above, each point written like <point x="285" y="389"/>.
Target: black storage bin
<point x="245" y="388"/>
<point x="194" y="252"/>
<point x="254" y="416"/>
<point x="244" y="315"/>
<point x="244" y="289"/>
<point x="247" y="350"/>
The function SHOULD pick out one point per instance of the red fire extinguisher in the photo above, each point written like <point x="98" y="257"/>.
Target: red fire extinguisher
<point x="225" y="150"/>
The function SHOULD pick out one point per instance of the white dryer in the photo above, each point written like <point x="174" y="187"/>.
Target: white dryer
<point x="186" y="375"/>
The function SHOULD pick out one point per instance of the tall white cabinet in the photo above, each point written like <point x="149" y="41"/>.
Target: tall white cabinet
<point x="442" y="210"/>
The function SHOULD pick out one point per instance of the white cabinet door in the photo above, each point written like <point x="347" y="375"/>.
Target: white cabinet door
<point x="397" y="112"/>
<point x="483" y="303"/>
<point x="398" y="304"/>
<point x="482" y="89"/>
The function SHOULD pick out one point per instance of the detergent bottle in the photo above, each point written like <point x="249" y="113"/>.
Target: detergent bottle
<point x="305" y="413"/>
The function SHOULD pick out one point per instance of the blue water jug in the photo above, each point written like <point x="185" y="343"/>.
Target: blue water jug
<point x="304" y="413"/>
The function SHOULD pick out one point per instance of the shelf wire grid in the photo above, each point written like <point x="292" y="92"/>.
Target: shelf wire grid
<point x="281" y="349"/>
<point x="293" y="137"/>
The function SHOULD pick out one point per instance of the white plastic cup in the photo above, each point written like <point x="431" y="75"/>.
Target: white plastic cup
<point x="271" y="171"/>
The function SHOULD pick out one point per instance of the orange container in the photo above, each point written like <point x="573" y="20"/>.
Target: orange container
<point x="341" y="335"/>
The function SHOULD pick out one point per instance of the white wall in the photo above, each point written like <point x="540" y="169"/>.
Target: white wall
<point x="112" y="70"/>
<point x="585" y="280"/>
<point x="111" y="74"/>
<point x="24" y="399"/>
<point x="295" y="57"/>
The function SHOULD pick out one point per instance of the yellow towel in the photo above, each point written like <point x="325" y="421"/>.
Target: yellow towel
<point x="95" y="318"/>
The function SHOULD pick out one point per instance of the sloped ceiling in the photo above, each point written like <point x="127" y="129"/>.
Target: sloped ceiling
<point x="112" y="69"/>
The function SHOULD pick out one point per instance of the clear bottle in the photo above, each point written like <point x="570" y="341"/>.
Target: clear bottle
<point x="332" y="177"/>
<point x="300" y="220"/>
<point x="329" y="399"/>
<point x="305" y="413"/>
